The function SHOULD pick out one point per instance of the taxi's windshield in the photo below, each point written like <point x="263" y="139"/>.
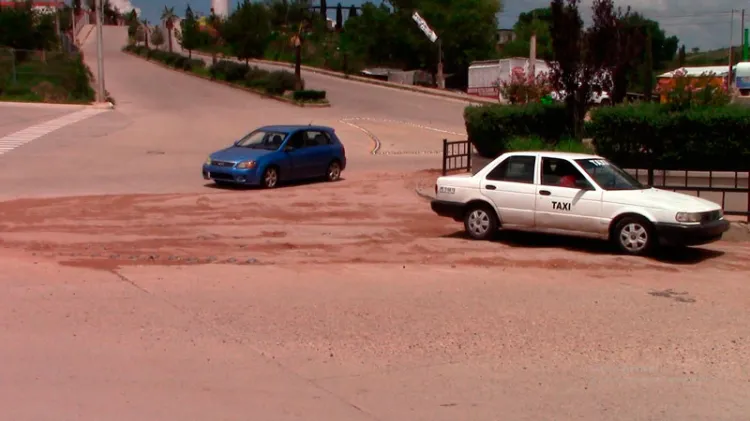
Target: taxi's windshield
<point x="262" y="140"/>
<point x="609" y="176"/>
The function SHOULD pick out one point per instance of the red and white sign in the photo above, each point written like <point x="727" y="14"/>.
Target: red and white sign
<point x="485" y="91"/>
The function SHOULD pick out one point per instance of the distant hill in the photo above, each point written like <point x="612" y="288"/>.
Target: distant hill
<point x="712" y="57"/>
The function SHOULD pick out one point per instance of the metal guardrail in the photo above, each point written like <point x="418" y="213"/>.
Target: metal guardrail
<point x="456" y="155"/>
<point x="731" y="189"/>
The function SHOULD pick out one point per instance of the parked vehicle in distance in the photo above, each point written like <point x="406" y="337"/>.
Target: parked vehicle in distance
<point x="273" y="154"/>
<point x="579" y="195"/>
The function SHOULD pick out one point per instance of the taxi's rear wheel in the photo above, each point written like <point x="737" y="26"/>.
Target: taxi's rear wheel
<point x="480" y="222"/>
<point x="634" y="235"/>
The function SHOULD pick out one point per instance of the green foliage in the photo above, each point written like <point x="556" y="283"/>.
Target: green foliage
<point x="536" y="143"/>
<point x="157" y="36"/>
<point x="25" y="29"/>
<point x="248" y="30"/>
<point x="280" y="81"/>
<point x="696" y="138"/>
<point x="491" y="127"/>
<point x="534" y="21"/>
<point x="230" y="71"/>
<point x="55" y="78"/>
<point x="309" y="96"/>
<point x="190" y="33"/>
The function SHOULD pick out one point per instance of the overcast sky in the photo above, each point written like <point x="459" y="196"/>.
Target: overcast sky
<point x="703" y="24"/>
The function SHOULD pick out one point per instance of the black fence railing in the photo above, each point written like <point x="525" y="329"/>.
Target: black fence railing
<point x="731" y="189"/>
<point x="456" y="155"/>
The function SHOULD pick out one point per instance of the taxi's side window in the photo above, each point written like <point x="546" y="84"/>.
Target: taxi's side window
<point x="561" y="173"/>
<point x="515" y="169"/>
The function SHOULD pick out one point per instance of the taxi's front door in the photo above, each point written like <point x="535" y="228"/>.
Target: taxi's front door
<point x="567" y="208"/>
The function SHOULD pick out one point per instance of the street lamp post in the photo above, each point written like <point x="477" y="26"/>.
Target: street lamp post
<point x="100" y="92"/>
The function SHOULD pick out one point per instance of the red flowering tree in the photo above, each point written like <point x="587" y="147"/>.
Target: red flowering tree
<point x="524" y="88"/>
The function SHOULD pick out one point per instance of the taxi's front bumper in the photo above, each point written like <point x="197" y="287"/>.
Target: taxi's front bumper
<point x="691" y="235"/>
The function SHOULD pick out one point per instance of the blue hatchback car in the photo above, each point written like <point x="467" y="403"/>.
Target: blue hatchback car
<point x="272" y="154"/>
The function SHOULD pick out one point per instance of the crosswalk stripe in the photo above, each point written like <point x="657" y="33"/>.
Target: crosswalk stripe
<point x="21" y="137"/>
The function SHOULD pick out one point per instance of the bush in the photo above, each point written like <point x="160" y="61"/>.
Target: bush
<point x="280" y="81"/>
<point x="536" y="143"/>
<point x="228" y="70"/>
<point x="309" y="95"/>
<point x="699" y="138"/>
<point x="490" y="127"/>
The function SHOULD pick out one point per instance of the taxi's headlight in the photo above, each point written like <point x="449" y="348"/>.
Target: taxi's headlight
<point x="246" y="165"/>
<point x="688" y="217"/>
<point x="208" y="161"/>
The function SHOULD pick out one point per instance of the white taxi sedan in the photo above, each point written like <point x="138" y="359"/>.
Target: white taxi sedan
<point x="575" y="194"/>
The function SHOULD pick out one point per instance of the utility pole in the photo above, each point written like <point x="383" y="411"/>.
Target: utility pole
<point x="100" y="92"/>
<point x="731" y="51"/>
<point x="440" y="76"/>
<point x="744" y="38"/>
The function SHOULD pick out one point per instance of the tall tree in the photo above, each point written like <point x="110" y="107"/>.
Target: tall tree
<point x="648" y="67"/>
<point x="352" y="12"/>
<point x="681" y="57"/>
<point x="538" y="22"/>
<point x="324" y="10"/>
<point x="339" y="17"/>
<point x="133" y="23"/>
<point x="146" y="31"/>
<point x="168" y="17"/>
<point x="248" y="30"/>
<point x="157" y="37"/>
<point x="77" y="7"/>
<point x="570" y="74"/>
<point x="189" y="32"/>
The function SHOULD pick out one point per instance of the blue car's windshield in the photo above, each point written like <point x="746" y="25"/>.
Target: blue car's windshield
<point x="260" y="139"/>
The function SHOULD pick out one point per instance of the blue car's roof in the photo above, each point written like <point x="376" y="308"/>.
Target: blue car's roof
<point x="293" y="127"/>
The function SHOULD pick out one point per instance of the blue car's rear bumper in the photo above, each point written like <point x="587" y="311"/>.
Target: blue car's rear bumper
<point x="230" y="175"/>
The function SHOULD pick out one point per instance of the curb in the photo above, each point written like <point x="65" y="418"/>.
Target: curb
<point x="101" y="106"/>
<point x="231" y="85"/>
<point x="326" y="72"/>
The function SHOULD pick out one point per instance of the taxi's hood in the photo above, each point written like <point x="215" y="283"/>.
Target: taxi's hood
<point x="660" y="199"/>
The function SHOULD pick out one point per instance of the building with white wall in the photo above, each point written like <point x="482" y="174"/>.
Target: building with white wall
<point x="220" y="7"/>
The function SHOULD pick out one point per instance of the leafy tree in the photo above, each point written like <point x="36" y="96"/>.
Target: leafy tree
<point x="189" y="32"/>
<point x="537" y="22"/>
<point x="77" y="6"/>
<point x="157" y="37"/>
<point x="648" y="68"/>
<point x="133" y="23"/>
<point x="569" y="71"/>
<point x="324" y="10"/>
<point x="18" y="28"/>
<point x="168" y="17"/>
<point x="140" y="34"/>
<point x="339" y="17"/>
<point x="681" y="57"/>
<point x="248" y="30"/>
<point x="146" y="31"/>
<point x="352" y="12"/>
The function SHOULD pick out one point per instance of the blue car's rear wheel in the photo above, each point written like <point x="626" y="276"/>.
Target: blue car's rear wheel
<point x="270" y="178"/>
<point x="334" y="171"/>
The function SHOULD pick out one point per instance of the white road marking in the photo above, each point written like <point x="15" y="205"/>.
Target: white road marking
<point x="19" y="138"/>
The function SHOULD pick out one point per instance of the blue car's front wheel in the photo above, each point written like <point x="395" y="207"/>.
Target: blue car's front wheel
<point x="270" y="178"/>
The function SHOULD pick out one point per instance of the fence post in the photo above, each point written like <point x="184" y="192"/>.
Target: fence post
<point x="748" y="198"/>
<point x="468" y="155"/>
<point x="13" y="65"/>
<point x="445" y="154"/>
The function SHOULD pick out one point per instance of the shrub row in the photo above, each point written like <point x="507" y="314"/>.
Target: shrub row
<point x="491" y="127"/>
<point x="700" y="138"/>
<point x="309" y="95"/>
<point x="275" y="82"/>
<point x="175" y="60"/>
<point x="272" y="82"/>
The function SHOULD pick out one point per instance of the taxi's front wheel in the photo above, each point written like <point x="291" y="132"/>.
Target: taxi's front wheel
<point x="634" y="235"/>
<point x="480" y="222"/>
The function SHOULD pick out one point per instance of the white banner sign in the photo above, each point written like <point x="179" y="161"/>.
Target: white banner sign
<point x="424" y="27"/>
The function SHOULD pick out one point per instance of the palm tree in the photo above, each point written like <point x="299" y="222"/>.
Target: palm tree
<point x="169" y="17"/>
<point x="145" y="23"/>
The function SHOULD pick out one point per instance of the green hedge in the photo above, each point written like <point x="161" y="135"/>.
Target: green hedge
<point x="491" y="127"/>
<point x="701" y="138"/>
<point x="272" y="82"/>
<point x="309" y="95"/>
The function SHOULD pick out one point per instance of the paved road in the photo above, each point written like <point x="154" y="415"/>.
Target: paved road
<point x="341" y="302"/>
